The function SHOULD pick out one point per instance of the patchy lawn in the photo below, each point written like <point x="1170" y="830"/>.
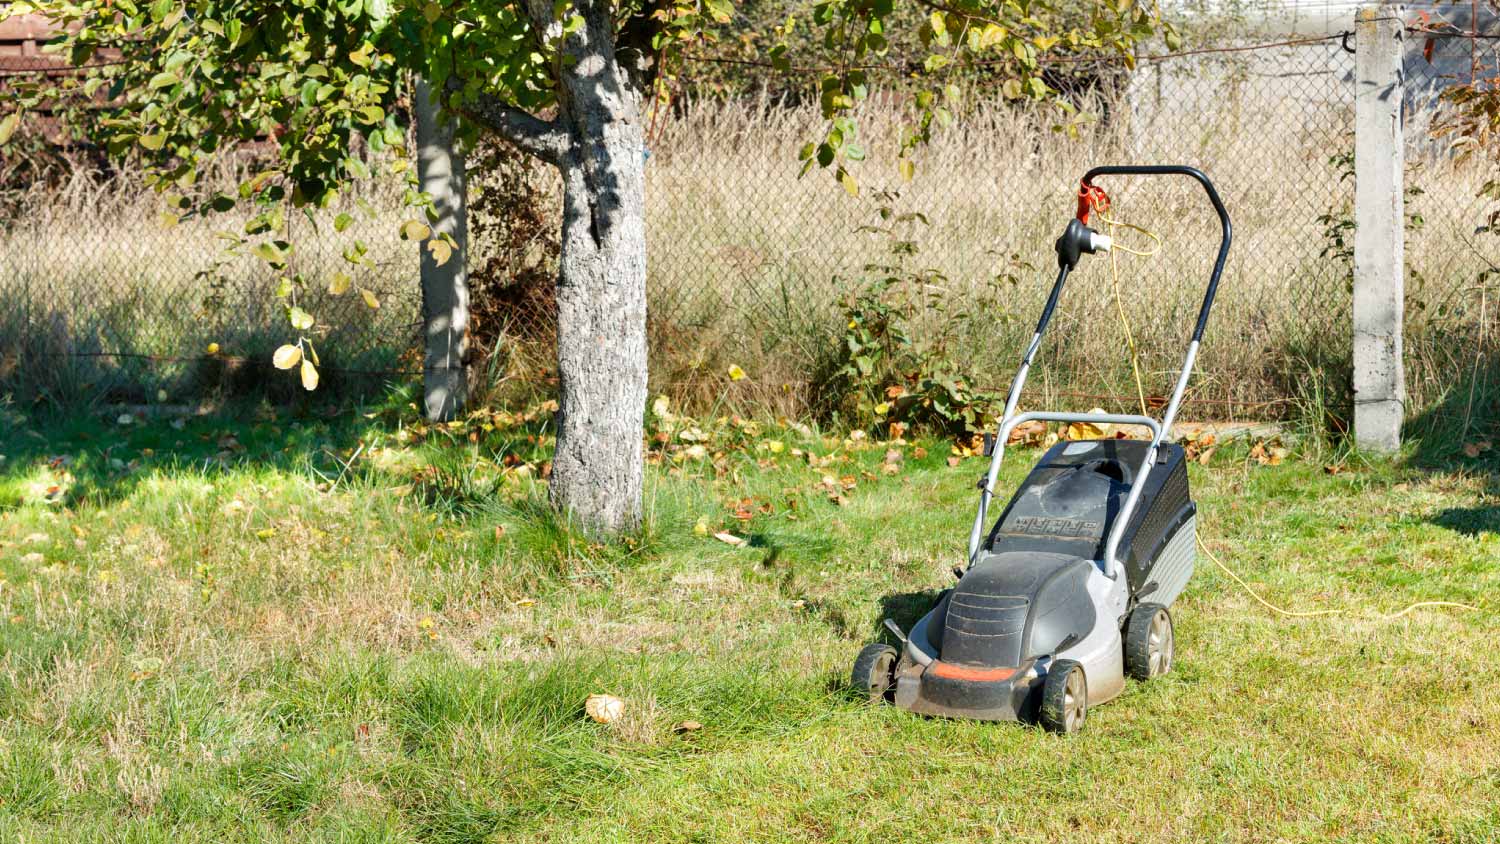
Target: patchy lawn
<point x="271" y="627"/>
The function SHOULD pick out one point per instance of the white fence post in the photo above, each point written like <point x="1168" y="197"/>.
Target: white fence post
<point x="1379" y="220"/>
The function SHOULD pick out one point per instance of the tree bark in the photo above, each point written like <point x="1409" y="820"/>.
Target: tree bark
<point x="445" y="287"/>
<point x="601" y="287"/>
<point x="596" y="142"/>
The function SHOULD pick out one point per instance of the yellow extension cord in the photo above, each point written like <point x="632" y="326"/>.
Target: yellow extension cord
<point x="1135" y="365"/>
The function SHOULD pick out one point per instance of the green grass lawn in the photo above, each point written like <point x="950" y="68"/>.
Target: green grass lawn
<point x="272" y="626"/>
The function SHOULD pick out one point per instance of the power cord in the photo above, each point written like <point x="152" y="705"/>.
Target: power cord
<point x="1312" y="613"/>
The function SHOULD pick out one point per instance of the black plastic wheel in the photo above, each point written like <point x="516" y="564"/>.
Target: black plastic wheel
<point x="874" y="671"/>
<point x="1065" y="697"/>
<point x="1148" y="642"/>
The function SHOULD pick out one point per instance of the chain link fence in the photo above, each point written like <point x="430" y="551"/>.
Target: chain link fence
<point x="752" y="266"/>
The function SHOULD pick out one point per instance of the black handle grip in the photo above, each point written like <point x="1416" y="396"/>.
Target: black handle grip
<point x="1213" y="197"/>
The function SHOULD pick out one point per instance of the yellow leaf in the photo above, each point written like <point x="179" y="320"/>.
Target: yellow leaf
<point x="731" y="539"/>
<point x="414" y="230"/>
<point x="213" y="348"/>
<point x="339" y="284"/>
<point x="369" y="298"/>
<point x="735" y="373"/>
<point x="701" y="528"/>
<point x="309" y="376"/>
<point x="8" y="126"/>
<point x="882" y="408"/>
<point x="776" y="446"/>
<point x="285" y="357"/>
<point x="265" y="533"/>
<point x="153" y="142"/>
<point x="850" y="187"/>
<point x="440" y="250"/>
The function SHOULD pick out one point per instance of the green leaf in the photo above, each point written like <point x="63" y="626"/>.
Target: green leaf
<point x="342" y="221"/>
<point x="300" y="319"/>
<point x="153" y="142"/>
<point x="270" y="253"/>
<point x="165" y="79"/>
<point x="338" y="285"/>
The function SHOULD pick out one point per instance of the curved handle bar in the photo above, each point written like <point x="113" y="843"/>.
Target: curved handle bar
<point x="1213" y="197"/>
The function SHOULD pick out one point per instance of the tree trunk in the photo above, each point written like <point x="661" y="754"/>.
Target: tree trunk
<point x="445" y="287"/>
<point x="601" y="291"/>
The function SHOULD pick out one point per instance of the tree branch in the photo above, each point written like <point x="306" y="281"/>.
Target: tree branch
<point x="544" y="139"/>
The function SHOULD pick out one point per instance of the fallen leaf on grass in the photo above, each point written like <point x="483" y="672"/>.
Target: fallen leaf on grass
<point x="1027" y="432"/>
<point x="604" y="708"/>
<point x="731" y="539"/>
<point x="687" y="727"/>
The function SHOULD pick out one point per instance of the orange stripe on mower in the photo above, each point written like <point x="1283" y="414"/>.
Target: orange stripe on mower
<point x="950" y="671"/>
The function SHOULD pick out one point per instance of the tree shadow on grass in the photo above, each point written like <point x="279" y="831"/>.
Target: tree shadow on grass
<point x="94" y="456"/>
<point x="1461" y="434"/>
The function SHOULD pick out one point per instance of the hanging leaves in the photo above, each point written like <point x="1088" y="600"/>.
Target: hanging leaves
<point x="309" y="375"/>
<point x="414" y="230"/>
<point x="286" y="357"/>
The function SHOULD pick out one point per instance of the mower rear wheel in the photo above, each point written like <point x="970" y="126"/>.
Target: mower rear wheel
<point x="1149" y="642"/>
<point x="1065" y="697"/>
<point x="874" y="672"/>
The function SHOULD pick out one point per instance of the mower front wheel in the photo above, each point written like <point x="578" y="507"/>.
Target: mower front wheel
<point x="874" y="672"/>
<point x="1065" y="697"/>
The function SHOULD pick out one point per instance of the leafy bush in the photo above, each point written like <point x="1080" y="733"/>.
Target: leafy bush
<point x="899" y="362"/>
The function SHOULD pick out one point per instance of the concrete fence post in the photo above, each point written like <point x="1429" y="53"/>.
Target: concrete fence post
<point x="1379" y="220"/>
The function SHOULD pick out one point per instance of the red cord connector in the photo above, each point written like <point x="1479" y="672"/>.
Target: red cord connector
<point x="1091" y="198"/>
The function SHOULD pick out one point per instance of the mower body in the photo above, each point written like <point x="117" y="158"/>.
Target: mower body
<point x="1037" y="591"/>
<point x="1068" y="591"/>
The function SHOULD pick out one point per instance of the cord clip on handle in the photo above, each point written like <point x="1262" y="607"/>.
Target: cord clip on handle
<point x="1091" y="197"/>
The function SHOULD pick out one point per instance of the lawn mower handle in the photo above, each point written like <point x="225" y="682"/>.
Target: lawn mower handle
<point x="1213" y="197"/>
<point x="1078" y="238"/>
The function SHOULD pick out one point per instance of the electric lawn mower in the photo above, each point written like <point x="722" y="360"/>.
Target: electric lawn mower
<point x="1069" y="590"/>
